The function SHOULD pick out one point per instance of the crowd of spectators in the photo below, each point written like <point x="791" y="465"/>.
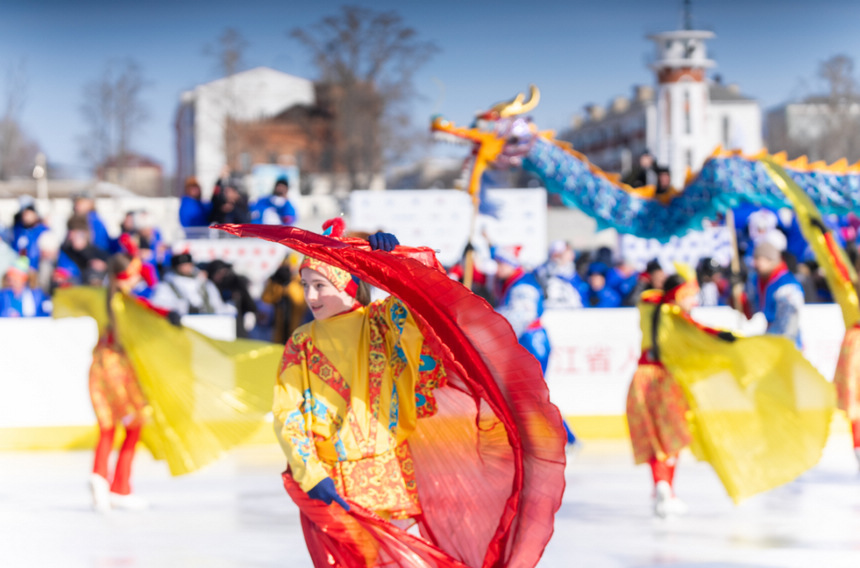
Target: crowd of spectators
<point x="41" y="258"/>
<point x="599" y="279"/>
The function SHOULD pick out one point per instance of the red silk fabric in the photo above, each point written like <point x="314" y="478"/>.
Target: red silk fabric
<point x="490" y="463"/>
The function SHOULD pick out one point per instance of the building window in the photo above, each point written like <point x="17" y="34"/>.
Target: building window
<point x="689" y="157"/>
<point x="726" y="130"/>
<point x="687" y="125"/>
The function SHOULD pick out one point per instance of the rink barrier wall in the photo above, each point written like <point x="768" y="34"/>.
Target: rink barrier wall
<point x="45" y="404"/>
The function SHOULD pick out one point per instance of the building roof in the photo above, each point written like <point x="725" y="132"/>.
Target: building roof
<point x="131" y="160"/>
<point x="257" y="93"/>
<point x="726" y="93"/>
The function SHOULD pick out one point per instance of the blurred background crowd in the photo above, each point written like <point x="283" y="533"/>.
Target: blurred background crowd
<point x="37" y="257"/>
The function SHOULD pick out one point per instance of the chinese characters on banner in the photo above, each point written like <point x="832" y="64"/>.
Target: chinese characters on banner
<point x="595" y="351"/>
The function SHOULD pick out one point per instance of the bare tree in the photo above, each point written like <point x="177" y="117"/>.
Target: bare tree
<point x="840" y="137"/>
<point x="228" y="54"/>
<point x="17" y="150"/>
<point x="114" y="112"/>
<point x="367" y="60"/>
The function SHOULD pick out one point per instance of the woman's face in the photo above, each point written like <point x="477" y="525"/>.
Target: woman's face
<point x="322" y="297"/>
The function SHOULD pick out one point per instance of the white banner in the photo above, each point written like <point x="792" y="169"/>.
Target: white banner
<point x="440" y="219"/>
<point x="713" y="242"/>
<point x="594" y="355"/>
<point x="595" y="351"/>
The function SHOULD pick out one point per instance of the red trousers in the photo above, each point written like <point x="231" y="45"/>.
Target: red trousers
<point x="122" y="469"/>
<point x="663" y="470"/>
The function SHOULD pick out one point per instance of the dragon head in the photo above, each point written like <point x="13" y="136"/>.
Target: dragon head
<point x="500" y="136"/>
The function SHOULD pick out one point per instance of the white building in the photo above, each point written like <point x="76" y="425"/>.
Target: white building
<point x="680" y="120"/>
<point x="817" y="127"/>
<point x="203" y="113"/>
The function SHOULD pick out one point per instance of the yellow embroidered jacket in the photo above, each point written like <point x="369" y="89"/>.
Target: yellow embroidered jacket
<point x="349" y="393"/>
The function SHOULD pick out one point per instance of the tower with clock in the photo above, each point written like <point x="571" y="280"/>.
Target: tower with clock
<point x="682" y="99"/>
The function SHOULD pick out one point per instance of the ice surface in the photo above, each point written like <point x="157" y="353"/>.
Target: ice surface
<point x="236" y="514"/>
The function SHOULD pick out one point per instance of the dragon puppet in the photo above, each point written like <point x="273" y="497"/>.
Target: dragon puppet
<point x="503" y="137"/>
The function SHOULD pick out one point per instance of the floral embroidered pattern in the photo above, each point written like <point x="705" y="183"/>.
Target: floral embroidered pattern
<point x="114" y="390"/>
<point x="382" y="483"/>
<point x="656" y="414"/>
<point x="393" y="412"/>
<point x="301" y="350"/>
<point x="847" y="376"/>
<point x="398" y="317"/>
<point x="431" y="375"/>
<point x="376" y="372"/>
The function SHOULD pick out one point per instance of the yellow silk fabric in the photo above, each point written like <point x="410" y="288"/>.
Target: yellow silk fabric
<point x="205" y="395"/>
<point x="352" y="387"/>
<point x="646" y="322"/>
<point x="761" y="412"/>
<point x="843" y="290"/>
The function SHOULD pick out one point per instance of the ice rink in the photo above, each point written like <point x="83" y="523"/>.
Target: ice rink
<point x="236" y="514"/>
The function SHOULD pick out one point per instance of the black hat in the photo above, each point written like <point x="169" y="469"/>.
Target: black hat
<point x="214" y="266"/>
<point x="180" y="258"/>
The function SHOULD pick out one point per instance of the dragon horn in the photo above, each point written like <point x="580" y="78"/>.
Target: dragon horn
<point x="517" y="106"/>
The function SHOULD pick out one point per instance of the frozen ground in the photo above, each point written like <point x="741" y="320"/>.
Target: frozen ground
<point x="236" y="514"/>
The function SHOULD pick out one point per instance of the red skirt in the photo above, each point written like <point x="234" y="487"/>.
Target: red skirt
<point x="114" y="388"/>
<point x="847" y="376"/>
<point x="656" y="414"/>
<point x="359" y="538"/>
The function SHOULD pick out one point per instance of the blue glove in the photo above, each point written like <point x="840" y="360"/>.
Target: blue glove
<point x="324" y="491"/>
<point x="383" y="241"/>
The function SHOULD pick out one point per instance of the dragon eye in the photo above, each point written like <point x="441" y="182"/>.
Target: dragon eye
<point x="513" y="139"/>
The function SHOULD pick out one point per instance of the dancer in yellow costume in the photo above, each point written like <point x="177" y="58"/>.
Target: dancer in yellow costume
<point x="343" y="375"/>
<point x="117" y="399"/>
<point x="656" y="407"/>
<point x="757" y="411"/>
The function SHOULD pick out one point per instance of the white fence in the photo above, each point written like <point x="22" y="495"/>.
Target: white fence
<point x="46" y="362"/>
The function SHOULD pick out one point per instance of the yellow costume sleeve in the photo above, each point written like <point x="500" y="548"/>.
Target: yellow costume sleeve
<point x="82" y="301"/>
<point x="205" y="395"/>
<point x="761" y="412"/>
<point x="295" y="410"/>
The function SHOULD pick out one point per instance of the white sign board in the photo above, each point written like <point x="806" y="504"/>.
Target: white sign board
<point x="595" y="351"/>
<point x="440" y="219"/>
<point x="713" y="242"/>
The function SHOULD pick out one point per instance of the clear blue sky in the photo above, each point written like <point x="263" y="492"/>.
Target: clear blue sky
<point x="576" y="51"/>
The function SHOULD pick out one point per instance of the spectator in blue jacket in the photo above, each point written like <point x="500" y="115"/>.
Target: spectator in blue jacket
<point x="598" y="294"/>
<point x="26" y="230"/>
<point x="17" y="298"/>
<point x="84" y="205"/>
<point x="275" y="209"/>
<point x="193" y="211"/>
